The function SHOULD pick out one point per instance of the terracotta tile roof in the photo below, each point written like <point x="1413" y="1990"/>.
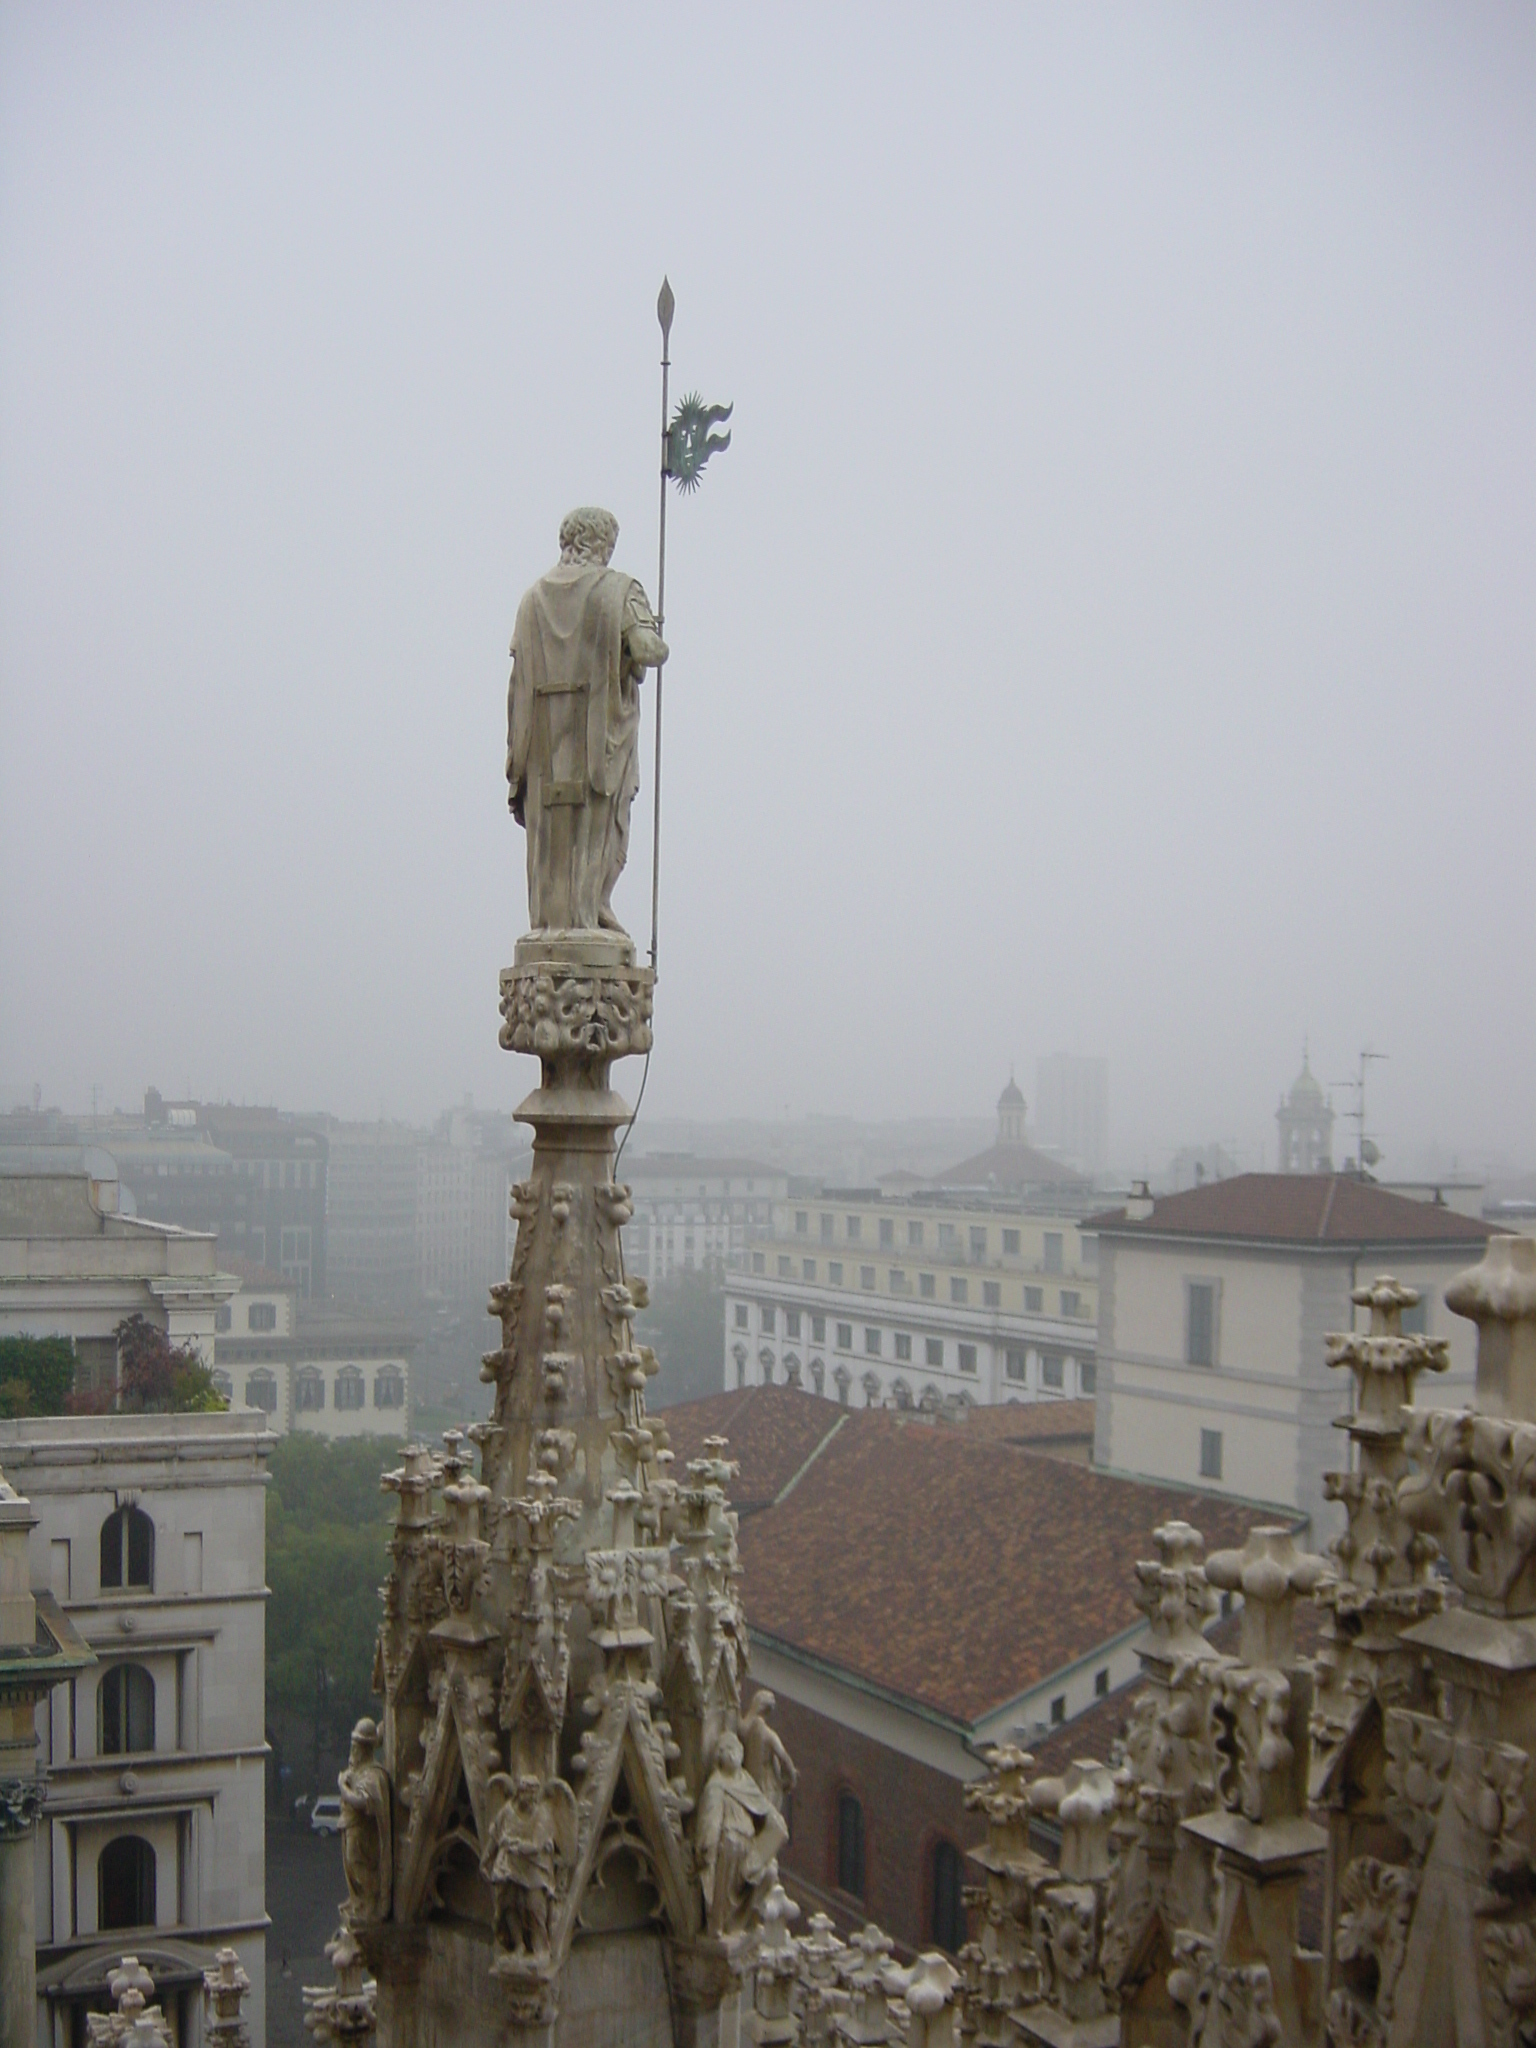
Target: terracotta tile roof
<point x="1298" y="1208"/>
<point x="773" y="1430"/>
<point x="955" y="1576"/>
<point x="1033" y="1425"/>
<point x="1011" y="1166"/>
<point x="255" y="1276"/>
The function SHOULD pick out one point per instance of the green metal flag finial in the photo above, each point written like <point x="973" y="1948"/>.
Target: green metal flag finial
<point x="690" y="443"/>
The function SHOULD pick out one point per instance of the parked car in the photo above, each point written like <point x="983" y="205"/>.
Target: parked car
<point x="325" y="1816"/>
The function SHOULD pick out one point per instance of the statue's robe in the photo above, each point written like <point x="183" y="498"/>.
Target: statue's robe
<point x="573" y="729"/>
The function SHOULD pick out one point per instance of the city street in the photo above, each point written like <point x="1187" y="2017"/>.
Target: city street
<point x="305" y="1888"/>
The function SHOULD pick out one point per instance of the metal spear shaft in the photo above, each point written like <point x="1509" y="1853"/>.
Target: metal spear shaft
<point x="665" y="306"/>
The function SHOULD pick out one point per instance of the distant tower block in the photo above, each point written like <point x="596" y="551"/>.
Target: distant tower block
<point x="1010" y="1114"/>
<point x="1306" y="1126"/>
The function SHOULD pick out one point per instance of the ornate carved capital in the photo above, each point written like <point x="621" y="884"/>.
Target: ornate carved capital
<point x="549" y="1010"/>
<point x="21" y="1801"/>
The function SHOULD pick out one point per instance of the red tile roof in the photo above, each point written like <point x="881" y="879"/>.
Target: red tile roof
<point x="1031" y="1425"/>
<point x="1011" y="1166"/>
<point x="953" y="1575"/>
<point x="1298" y="1208"/>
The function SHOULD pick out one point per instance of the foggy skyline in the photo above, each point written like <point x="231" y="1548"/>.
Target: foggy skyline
<point x="1111" y="627"/>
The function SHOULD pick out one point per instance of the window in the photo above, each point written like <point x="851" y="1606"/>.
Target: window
<point x="389" y="1387"/>
<point x="1416" y="1318"/>
<point x="1071" y="1302"/>
<point x="835" y="1272"/>
<point x="1034" y="1301"/>
<point x="784" y="1267"/>
<point x="127" y="1551"/>
<point x="1015" y="1365"/>
<point x="222" y="1319"/>
<point x="842" y="1379"/>
<point x="1010" y="1244"/>
<point x="125" y="1711"/>
<point x="1088" y="1377"/>
<point x="295" y="1254"/>
<point x="349" y="1387"/>
<point x="791" y="1370"/>
<point x="261" y="1390"/>
<point x="978" y="1243"/>
<point x="901" y="1394"/>
<point x="791" y="1322"/>
<point x="1053" y="1251"/>
<point x="967" y="1357"/>
<point x="1200" y="1322"/>
<point x="947" y="1239"/>
<point x="991" y="1294"/>
<point x="898" y="1280"/>
<point x="308" y="1390"/>
<point x="808" y="1269"/>
<point x="818" y="1376"/>
<point x="915" y="1236"/>
<point x="1101" y="1684"/>
<point x="872" y="1343"/>
<point x="826" y="1228"/>
<point x="802" y="1224"/>
<point x="903" y="1346"/>
<point x="1058" y="1710"/>
<point x="759" y="1263"/>
<point x="933" y="1351"/>
<point x="739" y="1353"/>
<point x="765" y="1360"/>
<point x="1210" y="1454"/>
<point x="925" y="1286"/>
<point x="224" y="1387"/>
<point x="261" y="1315"/>
<point x="946" y="1917"/>
<point x="741" y="1315"/>
<point x="818" y="1329"/>
<point x="867" y="1279"/>
<point x="845" y="1336"/>
<point x="871" y="1385"/>
<point x="854" y="1226"/>
<point x="850" y="1845"/>
<point x="959" y="1290"/>
<point x="125" y="1884"/>
<point x="1053" y="1369"/>
<point x="887" y="1231"/>
<point x="768" y="1318"/>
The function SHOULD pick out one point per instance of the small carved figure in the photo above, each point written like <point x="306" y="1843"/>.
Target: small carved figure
<point x="737" y="1838"/>
<point x="367" y="1851"/>
<point x="532" y="1839"/>
<point x="767" y="1760"/>
<point x="585" y="637"/>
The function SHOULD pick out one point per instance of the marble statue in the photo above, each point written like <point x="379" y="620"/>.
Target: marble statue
<point x="584" y="638"/>
<point x="529" y="1840"/>
<point x="767" y="1760"/>
<point x="738" y="1836"/>
<point x="366" y="1850"/>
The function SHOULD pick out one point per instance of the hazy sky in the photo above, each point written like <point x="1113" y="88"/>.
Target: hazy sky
<point x="1112" y="628"/>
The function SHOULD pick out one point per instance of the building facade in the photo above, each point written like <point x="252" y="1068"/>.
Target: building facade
<point x="1072" y="1110"/>
<point x="915" y="1301"/>
<point x="1214" y="1305"/>
<point x="308" y="1366"/>
<point x="151" y="1537"/>
<point x="695" y="1214"/>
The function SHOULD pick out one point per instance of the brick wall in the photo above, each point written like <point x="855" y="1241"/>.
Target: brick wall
<point x="908" y="1808"/>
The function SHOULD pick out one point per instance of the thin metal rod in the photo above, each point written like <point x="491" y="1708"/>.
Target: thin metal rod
<point x="661" y="620"/>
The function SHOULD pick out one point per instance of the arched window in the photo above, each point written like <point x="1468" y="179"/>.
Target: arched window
<point x="740" y="1356"/>
<point x="125" y="1884"/>
<point x="871" y="1385"/>
<point x="930" y="1400"/>
<point x="127" y="1551"/>
<point x="389" y="1387"/>
<point x="946" y="1908"/>
<point x="901" y="1394"/>
<point x="125" y="1710"/>
<point x="261" y="1390"/>
<point x="792" y="1371"/>
<point x="850" y="1845"/>
<point x="224" y="1387"/>
<point x="844" y="1380"/>
<point x="765" y="1360"/>
<point x="818" y="1376"/>
<point x="308" y="1390"/>
<point x="349" y="1387"/>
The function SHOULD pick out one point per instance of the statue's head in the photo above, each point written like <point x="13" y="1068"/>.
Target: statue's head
<point x="589" y="534"/>
<point x="365" y="1740"/>
<point x="528" y="1790"/>
<point x="763" y="1702"/>
<point x="728" y="1753"/>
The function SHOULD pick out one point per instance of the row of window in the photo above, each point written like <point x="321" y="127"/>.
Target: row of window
<point x="260" y="1316"/>
<point x="1052" y="1363"/>
<point x="309" y="1388"/>
<point x="976" y="1241"/>
<point x="946" y="1903"/>
<point x="899" y="1282"/>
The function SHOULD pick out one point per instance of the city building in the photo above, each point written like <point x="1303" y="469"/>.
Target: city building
<point x="1304" y="1121"/>
<point x="150" y="1536"/>
<point x="1072" y="1110"/>
<point x="915" y="1301"/>
<point x="335" y="1372"/>
<point x="372" y="1246"/>
<point x="464" y="1178"/>
<point x="889" y="1688"/>
<point x="695" y="1214"/>
<point x="1011" y="1165"/>
<point x="72" y="1264"/>
<point x="1213" y="1309"/>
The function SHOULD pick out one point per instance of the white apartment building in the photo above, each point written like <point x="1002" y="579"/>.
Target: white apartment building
<point x="911" y="1302"/>
<point x="1214" y="1308"/>
<point x="695" y="1214"/>
<point x="151" y="1536"/>
<point x="306" y="1365"/>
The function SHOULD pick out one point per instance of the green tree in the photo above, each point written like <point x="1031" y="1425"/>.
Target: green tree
<point x="37" y="1375"/>
<point x="685" y="1327"/>
<point x="157" y="1377"/>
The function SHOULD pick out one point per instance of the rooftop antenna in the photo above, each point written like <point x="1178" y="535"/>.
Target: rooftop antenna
<point x="1367" y="1153"/>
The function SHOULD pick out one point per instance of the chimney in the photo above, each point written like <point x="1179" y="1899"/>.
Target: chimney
<point x="1139" y="1207"/>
